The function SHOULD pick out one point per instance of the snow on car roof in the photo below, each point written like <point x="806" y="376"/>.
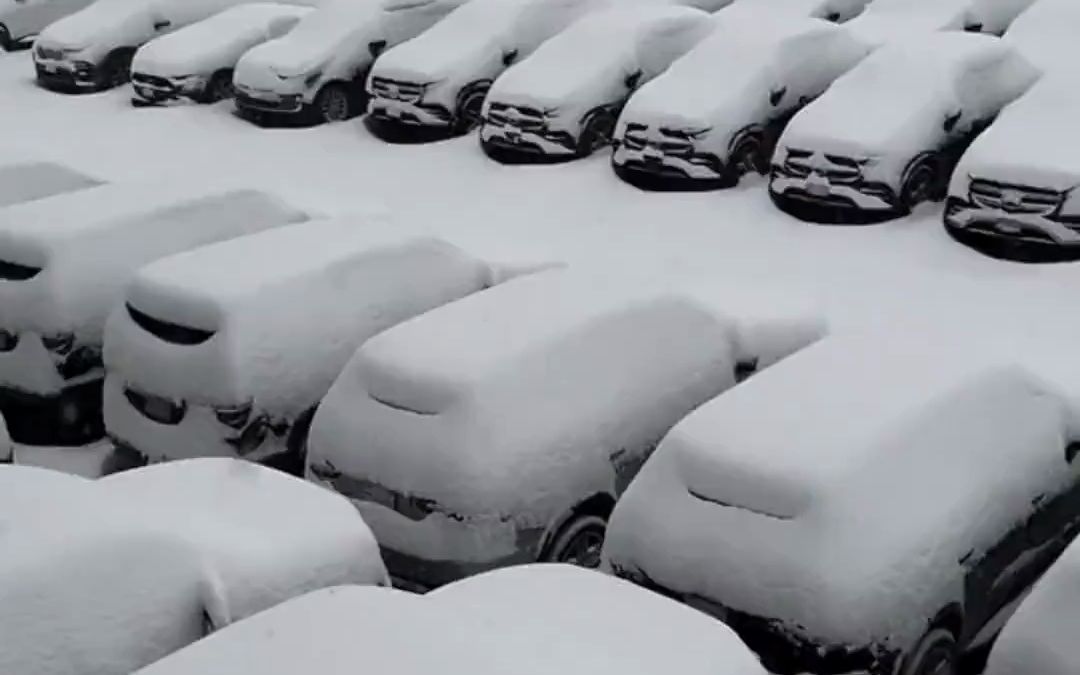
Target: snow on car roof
<point x="337" y="630"/>
<point x="1046" y="34"/>
<point x="316" y="256"/>
<point x="532" y="608"/>
<point x="888" y="20"/>
<point x="495" y="24"/>
<point x="78" y="30"/>
<point x="1032" y="140"/>
<point x="685" y="90"/>
<point x="28" y="181"/>
<point x="268" y="535"/>
<point x="1041" y="636"/>
<point x="175" y="51"/>
<point x="491" y="335"/>
<point x="906" y="79"/>
<point x="622" y="37"/>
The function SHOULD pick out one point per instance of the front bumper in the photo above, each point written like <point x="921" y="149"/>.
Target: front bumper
<point x="837" y="204"/>
<point x="65" y="75"/>
<point x="1011" y="236"/>
<point x="511" y="144"/>
<point x="410" y="114"/>
<point x="261" y="101"/>
<point x="660" y="172"/>
<point x="157" y="90"/>
<point x="781" y="651"/>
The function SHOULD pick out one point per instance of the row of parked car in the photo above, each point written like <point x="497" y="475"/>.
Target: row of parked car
<point x="480" y="417"/>
<point x="857" y="111"/>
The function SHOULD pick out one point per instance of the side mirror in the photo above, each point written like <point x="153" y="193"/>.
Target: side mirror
<point x="973" y="27"/>
<point x="1071" y="451"/>
<point x="952" y="120"/>
<point x="376" y="48"/>
<point x="777" y="95"/>
<point x="632" y="80"/>
<point x="509" y="57"/>
<point x="162" y="24"/>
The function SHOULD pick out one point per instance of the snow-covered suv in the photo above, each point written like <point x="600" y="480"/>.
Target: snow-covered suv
<point x="64" y="262"/>
<point x="500" y="429"/>
<point x="22" y="20"/>
<point x="866" y="506"/>
<point x="437" y="82"/>
<point x="683" y="132"/>
<point x="92" y="49"/>
<point x="196" y="63"/>
<point x="889" y="20"/>
<point x="886" y="135"/>
<point x="205" y="359"/>
<point x="562" y="102"/>
<point x="317" y="72"/>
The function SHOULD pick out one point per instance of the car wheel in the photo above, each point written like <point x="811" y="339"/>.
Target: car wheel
<point x="295" y="456"/>
<point x="935" y="654"/>
<point x="470" y="105"/>
<point x="116" y="71"/>
<point x="596" y="132"/>
<point x="748" y="156"/>
<point x="579" y="542"/>
<point x="919" y="184"/>
<point x="6" y="43"/>
<point x="333" y="104"/>
<point x="219" y="88"/>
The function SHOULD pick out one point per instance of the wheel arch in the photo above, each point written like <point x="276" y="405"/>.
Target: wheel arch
<point x="599" y="504"/>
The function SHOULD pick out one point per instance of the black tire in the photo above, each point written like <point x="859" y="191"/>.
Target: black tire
<point x="294" y="458"/>
<point x="578" y="542"/>
<point x="748" y="156"/>
<point x="219" y="88"/>
<point x="596" y="132"/>
<point x="6" y="43"/>
<point x="920" y="183"/>
<point x="333" y="104"/>
<point x="935" y="654"/>
<point x="116" y="69"/>
<point x="469" y="110"/>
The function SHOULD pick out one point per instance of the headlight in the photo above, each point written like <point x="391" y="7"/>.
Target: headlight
<point x="698" y="133"/>
<point x="311" y="79"/>
<point x="1070" y="203"/>
<point x="234" y="416"/>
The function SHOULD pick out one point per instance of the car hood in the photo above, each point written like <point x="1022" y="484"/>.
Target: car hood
<point x="412" y="61"/>
<point x="92" y="24"/>
<point x="178" y="54"/>
<point x="690" y="102"/>
<point x="589" y="84"/>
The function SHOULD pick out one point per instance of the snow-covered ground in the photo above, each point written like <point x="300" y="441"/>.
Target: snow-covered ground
<point x="905" y="277"/>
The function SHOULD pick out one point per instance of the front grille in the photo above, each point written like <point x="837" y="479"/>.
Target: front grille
<point x="396" y="90"/>
<point x="521" y="117"/>
<point x="1015" y="198"/>
<point x="284" y="104"/>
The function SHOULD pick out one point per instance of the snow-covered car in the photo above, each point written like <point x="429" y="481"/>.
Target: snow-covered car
<point x="318" y="71"/>
<point x="562" y="102"/>
<point x="508" y="439"/>
<point x="92" y="49"/>
<point x="135" y="566"/>
<point x="204" y="359"/>
<point x="1041" y="637"/>
<point x="680" y="131"/>
<point x="889" y="20"/>
<point x="336" y="630"/>
<point x="65" y="261"/>
<point x="28" y="181"/>
<point x="837" y="11"/>
<point x="886" y="135"/>
<point x="579" y="622"/>
<point x="884" y="522"/>
<point x="1014" y="194"/>
<point x="437" y="82"/>
<point x="196" y="63"/>
<point x="22" y="20"/>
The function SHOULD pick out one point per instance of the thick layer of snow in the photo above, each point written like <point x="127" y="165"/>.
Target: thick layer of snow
<point x="766" y="52"/>
<point x="587" y="64"/>
<point x="338" y="630"/>
<point x="88" y="244"/>
<point x="890" y="20"/>
<point x="267" y="536"/>
<point x="1030" y="142"/>
<point x="284" y="327"/>
<point x="26" y="18"/>
<point x="27" y="491"/>
<point x="1045" y="34"/>
<point x="894" y="104"/>
<point x="516" y="414"/>
<point x="218" y="42"/>
<point x="1041" y="636"/>
<point x="842" y="10"/>
<point x="29" y="181"/>
<point x="576" y="621"/>
<point x="792" y="501"/>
